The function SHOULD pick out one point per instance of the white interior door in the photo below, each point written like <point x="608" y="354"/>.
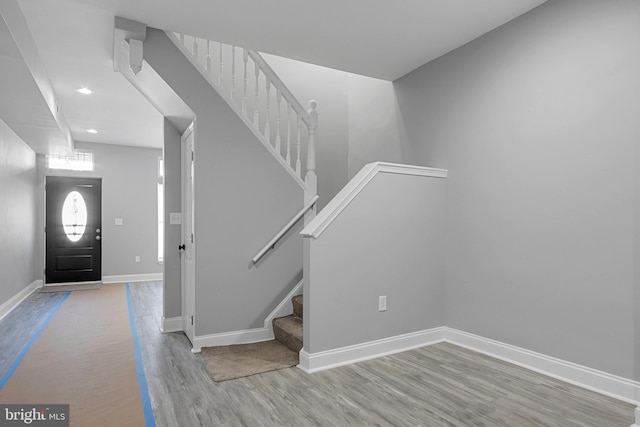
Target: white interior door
<point x="188" y="238"/>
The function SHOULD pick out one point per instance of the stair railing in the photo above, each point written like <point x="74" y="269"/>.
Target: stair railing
<point x="272" y="243"/>
<point x="251" y="86"/>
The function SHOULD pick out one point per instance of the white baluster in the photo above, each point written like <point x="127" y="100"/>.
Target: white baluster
<point x="310" y="178"/>
<point x="267" y="126"/>
<point x="195" y="48"/>
<point x="298" y="163"/>
<point x="182" y="40"/>
<point x="233" y="73"/>
<point x="245" y="58"/>
<point x="221" y="72"/>
<point x="208" y="67"/>
<point x="288" y="134"/>
<point x="256" y="111"/>
<point x="278" y="118"/>
<point x="312" y="126"/>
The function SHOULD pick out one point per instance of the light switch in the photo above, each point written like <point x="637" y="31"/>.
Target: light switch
<point x="175" y="218"/>
<point x="118" y="221"/>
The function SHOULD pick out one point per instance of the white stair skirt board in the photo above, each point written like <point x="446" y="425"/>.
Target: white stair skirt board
<point x="149" y="277"/>
<point x="15" y="300"/>
<point x="370" y="350"/>
<point x="285" y="308"/>
<point x="247" y="336"/>
<point x="582" y="376"/>
<point x="601" y="382"/>
<point x="170" y="324"/>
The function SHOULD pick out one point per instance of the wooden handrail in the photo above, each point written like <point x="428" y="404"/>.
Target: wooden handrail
<point x="285" y="229"/>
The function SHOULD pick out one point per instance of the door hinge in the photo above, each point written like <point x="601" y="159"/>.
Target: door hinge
<point x="191" y="320"/>
<point x="192" y="156"/>
<point x="191" y="237"/>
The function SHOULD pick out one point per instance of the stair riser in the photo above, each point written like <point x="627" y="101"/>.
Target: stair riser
<point x="288" y="331"/>
<point x="297" y="306"/>
<point x="288" y="340"/>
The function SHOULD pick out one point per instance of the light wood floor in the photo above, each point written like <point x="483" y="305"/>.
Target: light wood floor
<point x="439" y="385"/>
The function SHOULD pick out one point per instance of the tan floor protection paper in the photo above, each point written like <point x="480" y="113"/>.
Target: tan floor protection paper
<point x="85" y="357"/>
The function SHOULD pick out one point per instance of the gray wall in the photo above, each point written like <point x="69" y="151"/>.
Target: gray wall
<point x="243" y="196"/>
<point x="172" y="154"/>
<point x="18" y="215"/>
<point x="374" y="134"/>
<point x="357" y="120"/>
<point x="537" y="123"/>
<point x="129" y="179"/>
<point x="388" y="241"/>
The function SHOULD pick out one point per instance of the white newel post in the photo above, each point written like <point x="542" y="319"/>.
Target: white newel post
<point x="637" y="423"/>
<point x="311" y="179"/>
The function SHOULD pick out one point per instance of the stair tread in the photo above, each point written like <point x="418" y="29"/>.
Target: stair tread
<point x="291" y="324"/>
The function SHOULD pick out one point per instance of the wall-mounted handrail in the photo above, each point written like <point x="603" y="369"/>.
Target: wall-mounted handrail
<point x="285" y="229"/>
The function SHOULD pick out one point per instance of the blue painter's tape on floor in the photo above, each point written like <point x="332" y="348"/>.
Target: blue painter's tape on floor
<point x="149" y="419"/>
<point x="33" y="339"/>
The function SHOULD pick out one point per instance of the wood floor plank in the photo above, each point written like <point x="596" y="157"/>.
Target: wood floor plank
<point x="438" y="385"/>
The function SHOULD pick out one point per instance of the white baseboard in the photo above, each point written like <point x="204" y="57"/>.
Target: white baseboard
<point x="149" y="277"/>
<point x="592" y="379"/>
<point x="370" y="350"/>
<point x="244" y="336"/>
<point x="601" y="382"/>
<point x="15" y="300"/>
<point x="170" y="324"/>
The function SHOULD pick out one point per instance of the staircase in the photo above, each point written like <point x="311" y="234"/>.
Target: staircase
<point x="288" y="329"/>
<point x="233" y="83"/>
<point x="262" y="100"/>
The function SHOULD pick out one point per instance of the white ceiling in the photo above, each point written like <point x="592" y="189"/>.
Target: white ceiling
<point x="383" y="39"/>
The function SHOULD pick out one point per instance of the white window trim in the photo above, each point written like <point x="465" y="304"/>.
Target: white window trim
<point x="70" y="160"/>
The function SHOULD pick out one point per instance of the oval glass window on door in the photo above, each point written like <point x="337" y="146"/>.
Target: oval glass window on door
<point x="74" y="216"/>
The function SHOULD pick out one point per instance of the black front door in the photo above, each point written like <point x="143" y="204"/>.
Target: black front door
<point x="73" y="229"/>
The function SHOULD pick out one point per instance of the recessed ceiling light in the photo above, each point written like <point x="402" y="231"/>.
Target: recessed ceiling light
<point x="92" y="131"/>
<point x="85" y="91"/>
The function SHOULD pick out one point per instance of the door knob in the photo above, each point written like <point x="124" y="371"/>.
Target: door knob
<point x="181" y="247"/>
<point x="97" y="237"/>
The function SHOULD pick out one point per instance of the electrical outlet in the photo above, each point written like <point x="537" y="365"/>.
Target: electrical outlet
<point x="382" y="303"/>
<point x="137" y="258"/>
